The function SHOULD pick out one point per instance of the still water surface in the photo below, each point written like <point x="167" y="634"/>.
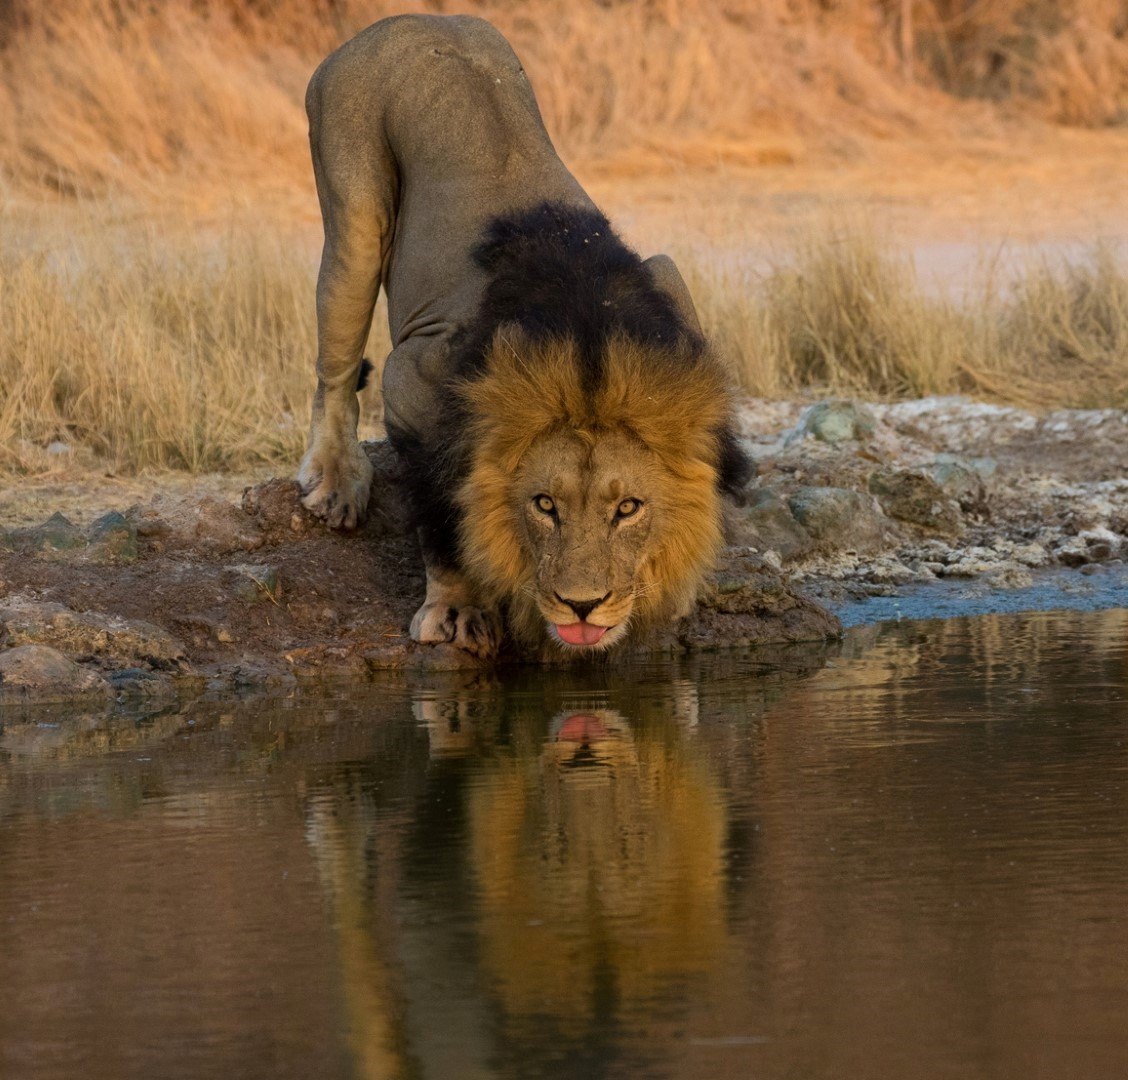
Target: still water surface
<point x="903" y="858"/>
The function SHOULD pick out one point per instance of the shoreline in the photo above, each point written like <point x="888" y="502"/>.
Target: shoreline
<point x="857" y="514"/>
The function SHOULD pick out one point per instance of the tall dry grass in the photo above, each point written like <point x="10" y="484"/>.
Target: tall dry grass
<point x="197" y="97"/>
<point x="155" y="347"/>
<point x="152" y="347"/>
<point x="849" y="314"/>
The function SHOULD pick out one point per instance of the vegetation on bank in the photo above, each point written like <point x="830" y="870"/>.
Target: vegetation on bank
<point x="191" y="96"/>
<point x="190" y="346"/>
<point x="195" y="350"/>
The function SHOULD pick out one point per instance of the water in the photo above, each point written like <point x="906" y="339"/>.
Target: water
<point x="904" y="857"/>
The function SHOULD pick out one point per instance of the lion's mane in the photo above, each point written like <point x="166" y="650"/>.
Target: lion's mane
<point x="574" y="333"/>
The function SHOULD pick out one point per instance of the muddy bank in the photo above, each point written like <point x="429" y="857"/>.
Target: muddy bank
<point x="180" y="593"/>
<point x="916" y="509"/>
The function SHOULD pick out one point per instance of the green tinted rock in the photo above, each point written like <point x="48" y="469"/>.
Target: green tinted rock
<point x="766" y="523"/>
<point x="253" y="583"/>
<point x="837" y="422"/>
<point x="112" y="539"/>
<point x="839" y="519"/>
<point x="57" y="536"/>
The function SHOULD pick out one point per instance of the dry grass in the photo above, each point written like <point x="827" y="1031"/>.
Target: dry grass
<point x="199" y="98"/>
<point x="156" y="346"/>
<point x="152" y="347"/>
<point x="848" y="314"/>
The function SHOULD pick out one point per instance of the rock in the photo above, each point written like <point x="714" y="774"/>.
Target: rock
<point x="1092" y="545"/>
<point x="960" y="480"/>
<point x="766" y="523"/>
<point x="745" y="602"/>
<point x="201" y="523"/>
<point x="971" y="562"/>
<point x="139" y="683"/>
<point x="46" y="674"/>
<point x="839" y="519"/>
<point x="916" y="498"/>
<point x="252" y="583"/>
<point x="112" y="539"/>
<point x="57" y="537"/>
<point x="27" y="622"/>
<point x="108" y="541"/>
<point x="1033" y="555"/>
<point x="835" y="422"/>
<point x="889" y="570"/>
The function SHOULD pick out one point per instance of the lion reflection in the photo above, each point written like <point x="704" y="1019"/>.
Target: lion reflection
<point x="595" y="850"/>
<point x="597" y="856"/>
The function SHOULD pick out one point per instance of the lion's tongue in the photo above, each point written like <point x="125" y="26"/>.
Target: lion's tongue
<point x="580" y="633"/>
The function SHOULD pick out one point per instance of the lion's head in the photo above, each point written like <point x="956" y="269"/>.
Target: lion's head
<point x="591" y="504"/>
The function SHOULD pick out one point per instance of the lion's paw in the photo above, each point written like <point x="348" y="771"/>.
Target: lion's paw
<point x="477" y="630"/>
<point x="336" y="484"/>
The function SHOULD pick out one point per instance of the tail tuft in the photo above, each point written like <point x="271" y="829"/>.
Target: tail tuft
<point x="365" y="371"/>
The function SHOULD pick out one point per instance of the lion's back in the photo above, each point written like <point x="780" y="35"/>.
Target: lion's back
<point x="447" y="92"/>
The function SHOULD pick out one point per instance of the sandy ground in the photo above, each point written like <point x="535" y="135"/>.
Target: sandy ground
<point x="1039" y="185"/>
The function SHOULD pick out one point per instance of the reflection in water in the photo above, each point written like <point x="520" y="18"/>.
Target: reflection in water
<point x="598" y="858"/>
<point x="907" y="859"/>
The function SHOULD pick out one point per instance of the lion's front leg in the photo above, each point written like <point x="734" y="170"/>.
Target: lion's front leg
<point x="356" y="203"/>
<point x="451" y="613"/>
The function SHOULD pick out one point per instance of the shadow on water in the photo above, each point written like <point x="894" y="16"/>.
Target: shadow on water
<point x="907" y="856"/>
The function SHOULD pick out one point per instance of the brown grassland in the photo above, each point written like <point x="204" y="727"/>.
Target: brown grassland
<point x="158" y="239"/>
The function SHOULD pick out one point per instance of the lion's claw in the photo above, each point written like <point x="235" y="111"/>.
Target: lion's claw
<point x="477" y="630"/>
<point x="336" y="487"/>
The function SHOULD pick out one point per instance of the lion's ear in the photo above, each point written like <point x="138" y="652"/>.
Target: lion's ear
<point x="664" y="273"/>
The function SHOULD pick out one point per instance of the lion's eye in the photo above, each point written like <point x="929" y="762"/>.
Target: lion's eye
<point x="628" y="508"/>
<point x="544" y="504"/>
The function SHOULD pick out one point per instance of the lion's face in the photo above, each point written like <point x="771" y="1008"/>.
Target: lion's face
<point x="590" y="510"/>
<point x="588" y="514"/>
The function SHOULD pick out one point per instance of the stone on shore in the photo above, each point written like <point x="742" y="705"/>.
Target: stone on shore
<point x="836" y="422"/>
<point x="44" y="673"/>
<point x="839" y="519"/>
<point x="93" y="634"/>
<point x="766" y="523"/>
<point x="915" y="498"/>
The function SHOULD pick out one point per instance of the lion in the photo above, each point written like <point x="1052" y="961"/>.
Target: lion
<point x="565" y="427"/>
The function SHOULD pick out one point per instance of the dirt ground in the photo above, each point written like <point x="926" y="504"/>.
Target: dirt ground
<point x="197" y="587"/>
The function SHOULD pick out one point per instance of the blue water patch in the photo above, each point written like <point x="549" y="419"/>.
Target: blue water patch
<point x="1105" y="587"/>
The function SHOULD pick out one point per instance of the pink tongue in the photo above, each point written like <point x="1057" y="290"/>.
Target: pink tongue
<point x="580" y="633"/>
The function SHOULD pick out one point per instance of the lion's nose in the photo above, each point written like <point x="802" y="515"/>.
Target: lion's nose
<point x="582" y="608"/>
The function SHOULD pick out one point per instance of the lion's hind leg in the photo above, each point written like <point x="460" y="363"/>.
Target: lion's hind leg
<point x="450" y="613"/>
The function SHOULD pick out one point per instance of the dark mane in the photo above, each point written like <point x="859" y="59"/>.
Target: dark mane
<point x="561" y="272"/>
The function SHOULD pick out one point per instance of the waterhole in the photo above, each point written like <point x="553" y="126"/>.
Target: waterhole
<point x="904" y="856"/>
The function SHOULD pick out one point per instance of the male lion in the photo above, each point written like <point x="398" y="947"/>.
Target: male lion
<point x="564" y="426"/>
